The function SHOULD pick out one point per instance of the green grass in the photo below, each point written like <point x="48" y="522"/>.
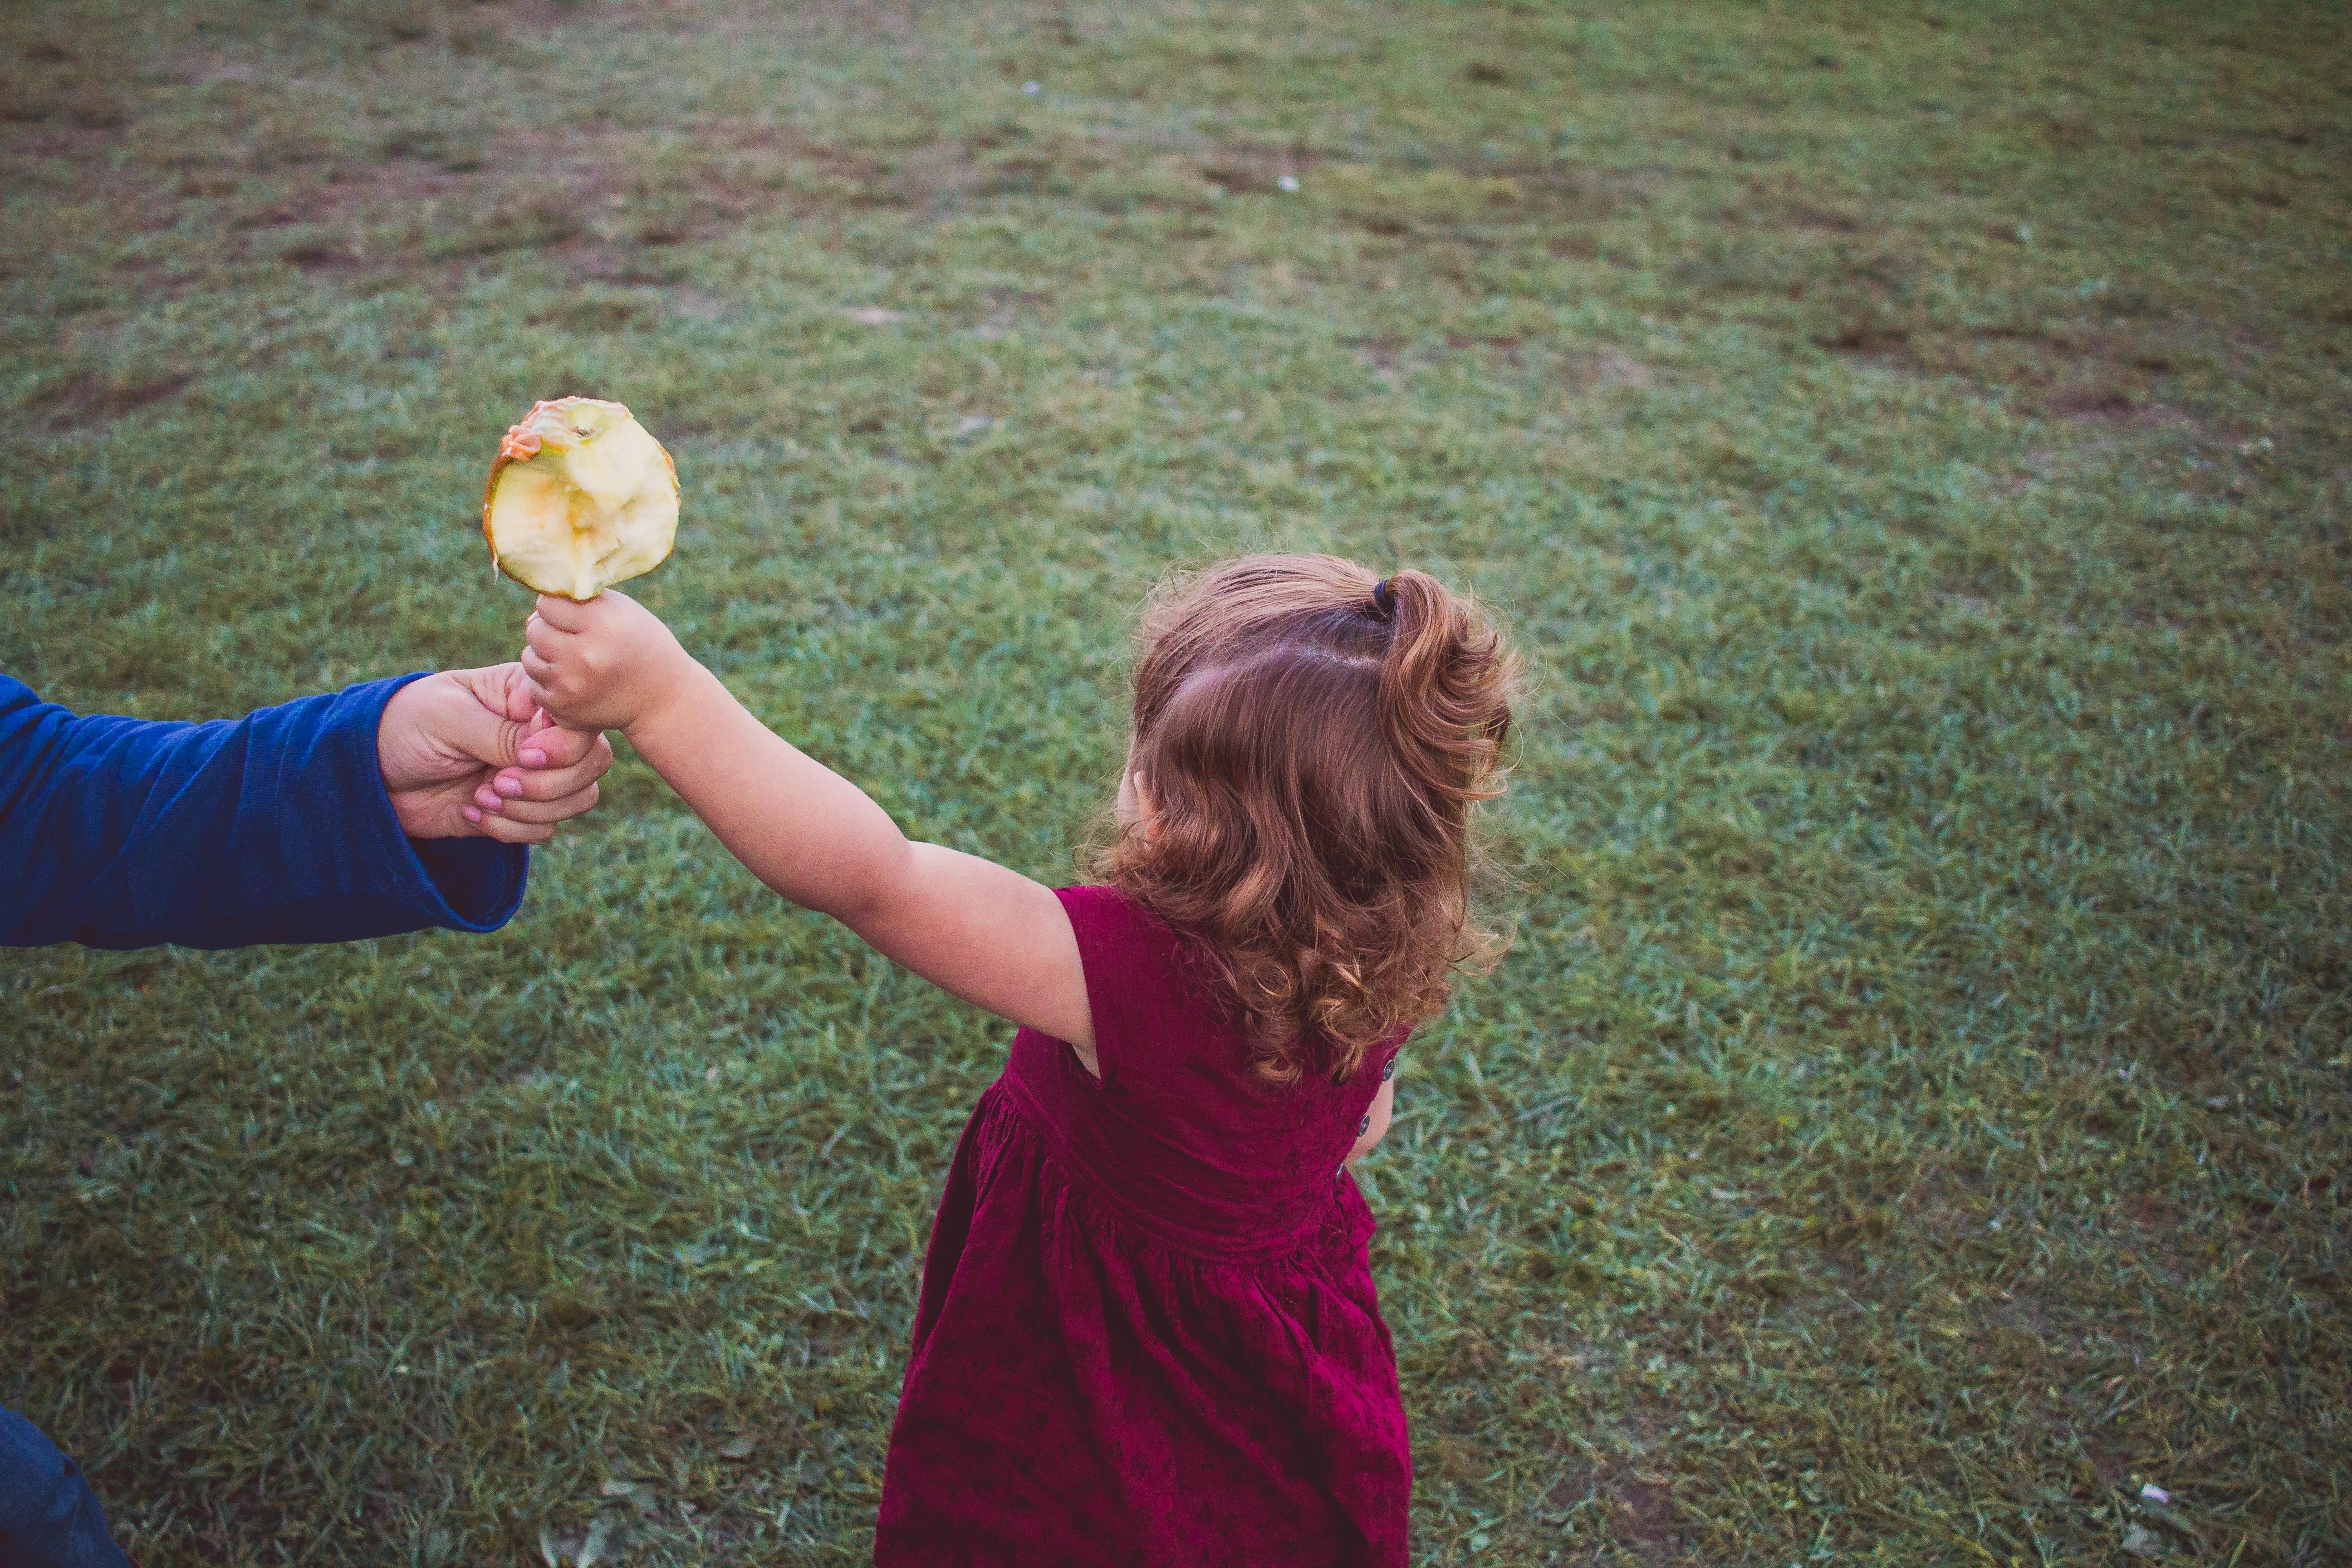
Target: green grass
<point x="1909" y="441"/>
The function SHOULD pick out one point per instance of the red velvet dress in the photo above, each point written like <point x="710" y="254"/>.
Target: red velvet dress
<point x="1148" y="1332"/>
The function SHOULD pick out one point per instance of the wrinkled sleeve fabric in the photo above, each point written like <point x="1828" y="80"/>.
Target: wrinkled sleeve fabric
<point x="275" y="827"/>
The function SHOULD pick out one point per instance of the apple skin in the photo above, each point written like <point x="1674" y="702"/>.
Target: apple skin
<point x="568" y="425"/>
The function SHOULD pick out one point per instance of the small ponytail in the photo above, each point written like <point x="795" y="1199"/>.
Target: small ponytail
<point x="1446" y="690"/>
<point x="1316" y="738"/>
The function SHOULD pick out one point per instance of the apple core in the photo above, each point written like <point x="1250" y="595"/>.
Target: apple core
<point x="581" y="496"/>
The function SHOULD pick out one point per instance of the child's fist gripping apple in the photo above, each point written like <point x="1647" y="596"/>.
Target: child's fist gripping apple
<point x="603" y="663"/>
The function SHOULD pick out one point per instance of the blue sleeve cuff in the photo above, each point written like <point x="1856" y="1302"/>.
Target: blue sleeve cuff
<point x="458" y="884"/>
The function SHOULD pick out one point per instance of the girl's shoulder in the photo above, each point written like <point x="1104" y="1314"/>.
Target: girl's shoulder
<point x="1119" y="936"/>
<point x="1148" y="985"/>
<point x="1096" y="902"/>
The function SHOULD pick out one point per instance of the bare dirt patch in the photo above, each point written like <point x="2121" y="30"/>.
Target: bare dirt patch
<point x="89" y="401"/>
<point x="1637" y="1504"/>
<point x="1644" y="1517"/>
<point x="2113" y="406"/>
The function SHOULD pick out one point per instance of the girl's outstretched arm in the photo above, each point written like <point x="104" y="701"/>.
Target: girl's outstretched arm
<point x="971" y="927"/>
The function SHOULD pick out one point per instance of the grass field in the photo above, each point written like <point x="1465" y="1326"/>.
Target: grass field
<point x="1910" y="442"/>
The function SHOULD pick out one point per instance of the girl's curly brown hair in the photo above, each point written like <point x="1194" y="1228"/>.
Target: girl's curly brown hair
<point x="1313" y="739"/>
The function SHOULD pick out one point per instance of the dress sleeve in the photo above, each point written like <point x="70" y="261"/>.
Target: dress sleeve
<point x="274" y="827"/>
<point x="1127" y="956"/>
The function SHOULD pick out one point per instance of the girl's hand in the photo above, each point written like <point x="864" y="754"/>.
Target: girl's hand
<point x="604" y="665"/>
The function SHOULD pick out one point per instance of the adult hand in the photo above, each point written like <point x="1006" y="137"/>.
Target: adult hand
<point x="466" y="753"/>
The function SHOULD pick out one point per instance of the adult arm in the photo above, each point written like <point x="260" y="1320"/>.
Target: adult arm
<point x="275" y="827"/>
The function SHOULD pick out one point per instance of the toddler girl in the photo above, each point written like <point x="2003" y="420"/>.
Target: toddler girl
<point x="1148" y="1333"/>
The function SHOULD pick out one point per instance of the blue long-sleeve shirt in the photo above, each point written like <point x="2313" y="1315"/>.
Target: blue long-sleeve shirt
<point x="274" y="827"/>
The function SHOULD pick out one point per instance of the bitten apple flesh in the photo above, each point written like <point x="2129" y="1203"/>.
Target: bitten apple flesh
<point x="582" y="497"/>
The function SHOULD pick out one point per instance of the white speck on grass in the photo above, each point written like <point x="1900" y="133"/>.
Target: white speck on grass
<point x="1289" y="183"/>
<point x="874" y="315"/>
<point x="1030" y="89"/>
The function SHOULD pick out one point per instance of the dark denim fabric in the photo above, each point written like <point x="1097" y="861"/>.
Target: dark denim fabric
<point x="48" y="1516"/>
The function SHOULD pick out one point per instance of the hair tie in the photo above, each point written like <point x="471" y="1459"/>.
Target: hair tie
<point x="1383" y="597"/>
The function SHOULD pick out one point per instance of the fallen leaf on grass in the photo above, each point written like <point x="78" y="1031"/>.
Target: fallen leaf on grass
<point x="2141" y="1542"/>
<point x="737" y="1449"/>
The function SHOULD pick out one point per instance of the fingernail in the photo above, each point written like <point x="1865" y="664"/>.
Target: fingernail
<point x="534" y="758"/>
<point x="472" y="815"/>
<point x="507" y="786"/>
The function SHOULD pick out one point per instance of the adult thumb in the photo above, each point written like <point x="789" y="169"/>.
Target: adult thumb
<point x="547" y="744"/>
<point x="487" y="727"/>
